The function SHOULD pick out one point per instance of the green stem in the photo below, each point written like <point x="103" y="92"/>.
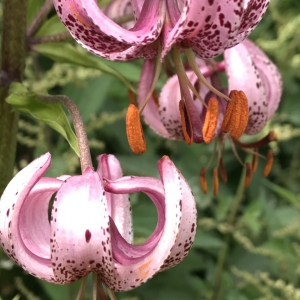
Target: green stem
<point x="223" y="252"/>
<point x="13" y="54"/>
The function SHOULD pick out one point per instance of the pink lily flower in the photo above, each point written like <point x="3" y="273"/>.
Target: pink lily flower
<point x="90" y="227"/>
<point x="247" y="69"/>
<point x="208" y="27"/>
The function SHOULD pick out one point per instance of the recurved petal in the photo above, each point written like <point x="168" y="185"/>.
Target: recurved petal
<point x="239" y="64"/>
<point x="150" y="112"/>
<point x="102" y="36"/>
<point x="175" y="227"/>
<point x="253" y="12"/>
<point x="195" y="14"/>
<point x="118" y="205"/>
<point x="270" y="76"/>
<point x="80" y="230"/>
<point x="24" y="226"/>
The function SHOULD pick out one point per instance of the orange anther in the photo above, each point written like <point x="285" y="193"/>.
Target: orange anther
<point x="211" y="119"/>
<point x="223" y="171"/>
<point x="269" y="163"/>
<point x="203" y="181"/>
<point x="216" y="181"/>
<point x="131" y="97"/>
<point x="185" y="121"/>
<point x="236" y="115"/>
<point x="255" y="160"/>
<point x="134" y="130"/>
<point x="248" y="175"/>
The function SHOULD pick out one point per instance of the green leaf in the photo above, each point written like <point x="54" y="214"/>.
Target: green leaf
<point x="33" y="8"/>
<point x="282" y="192"/>
<point x="51" y="114"/>
<point x="66" y="53"/>
<point x="51" y="26"/>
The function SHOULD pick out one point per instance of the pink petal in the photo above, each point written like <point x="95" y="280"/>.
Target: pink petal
<point x="102" y="36"/>
<point x="254" y="10"/>
<point x="24" y="226"/>
<point x="175" y="229"/>
<point x="239" y="64"/>
<point x="80" y="230"/>
<point x="270" y="76"/>
<point x="193" y="17"/>
<point x="118" y="205"/>
<point x="150" y="112"/>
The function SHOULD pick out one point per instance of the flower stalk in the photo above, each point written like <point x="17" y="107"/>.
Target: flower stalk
<point x="13" y="52"/>
<point x="84" y="150"/>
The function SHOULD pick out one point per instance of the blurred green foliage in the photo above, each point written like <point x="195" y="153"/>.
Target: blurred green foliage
<point x="260" y="251"/>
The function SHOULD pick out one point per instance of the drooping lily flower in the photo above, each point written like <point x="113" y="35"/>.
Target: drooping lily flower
<point x="247" y="68"/>
<point x="208" y="27"/>
<point x="203" y="27"/>
<point x="90" y="227"/>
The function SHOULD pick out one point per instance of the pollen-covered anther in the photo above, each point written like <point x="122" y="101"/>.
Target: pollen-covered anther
<point x="211" y="119"/>
<point x="236" y="114"/>
<point x="203" y="181"/>
<point x="215" y="181"/>
<point x="255" y="160"/>
<point x="134" y="130"/>
<point x="185" y="121"/>
<point x="223" y="171"/>
<point x="269" y="163"/>
<point x="248" y="176"/>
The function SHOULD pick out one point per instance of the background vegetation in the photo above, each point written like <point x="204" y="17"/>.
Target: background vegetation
<point x="247" y="243"/>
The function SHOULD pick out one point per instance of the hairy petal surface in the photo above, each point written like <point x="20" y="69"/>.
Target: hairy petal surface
<point x="175" y="228"/>
<point x="24" y="226"/>
<point x="118" y="205"/>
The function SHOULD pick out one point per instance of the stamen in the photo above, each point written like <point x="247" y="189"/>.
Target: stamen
<point x="203" y="181"/>
<point x="236" y="115"/>
<point x="223" y="171"/>
<point x="131" y="97"/>
<point x="134" y="130"/>
<point x="154" y="81"/>
<point x="248" y="175"/>
<point x="82" y="288"/>
<point x="211" y="119"/>
<point x="185" y="121"/>
<point x="191" y="59"/>
<point x="255" y="160"/>
<point x="181" y="73"/>
<point x="269" y="163"/>
<point x="216" y="181"/>
<point x="270" y="137"/>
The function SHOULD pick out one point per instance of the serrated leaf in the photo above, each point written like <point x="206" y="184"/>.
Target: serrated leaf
<point x="66" y="53"/>
<point x="51" y="114"/>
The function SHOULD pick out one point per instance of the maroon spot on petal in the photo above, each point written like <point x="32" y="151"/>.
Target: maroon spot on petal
<point x="88" y="235"/>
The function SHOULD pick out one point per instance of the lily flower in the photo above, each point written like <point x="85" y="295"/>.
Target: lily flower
<point x="90" y="226"/>
<point x="247" y="69"/>
<point x="202" y="27"/>
<point x="207" y="27"/>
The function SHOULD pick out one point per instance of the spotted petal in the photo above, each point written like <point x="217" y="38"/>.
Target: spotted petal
<point x="240" y="65"/>
<point x="118" y="205"/>
<point x="80" y="237"/>
<point x="174" y="233"/>
<point x="24" y="226"/>
<point x="102" y="36"/>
